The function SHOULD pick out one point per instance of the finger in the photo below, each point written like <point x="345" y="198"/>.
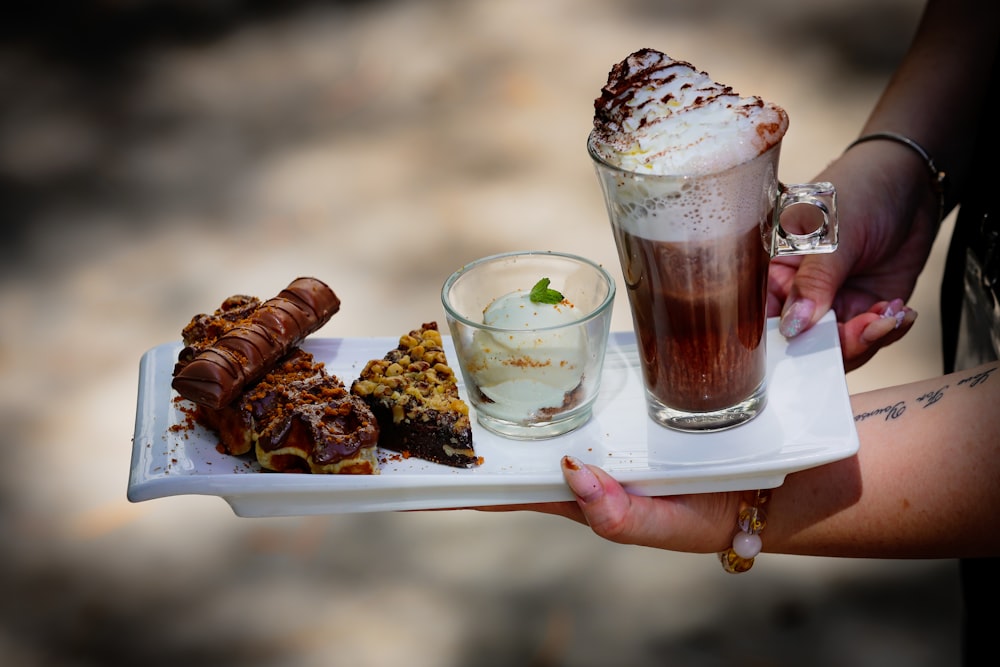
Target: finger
<point x="569" y="509"/>
<point x="666" y="523"/>
<point x="780" y="274"/>
<point x="812" y="291"/>
<point x="609" y="510"/>
<point x="863" y="336"/>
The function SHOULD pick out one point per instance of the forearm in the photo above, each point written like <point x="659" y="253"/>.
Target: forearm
<point x="936" y="94"/>
<point x="925" y="483"/>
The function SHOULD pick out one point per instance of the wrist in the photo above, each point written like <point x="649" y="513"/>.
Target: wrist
<point x="936" y="177"/>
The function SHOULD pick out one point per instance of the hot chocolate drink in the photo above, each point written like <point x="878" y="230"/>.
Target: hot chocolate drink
<point x="701" y="321"/>
<point x="694" y="259"/>
<point x="688" y="169"/>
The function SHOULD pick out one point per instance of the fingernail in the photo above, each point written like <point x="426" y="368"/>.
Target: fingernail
<point x="582" y="482"/>
<point x="893" y="317"/>
<point x="878" y="329"/>
<point x="796" y="315"/>
<point x="896" y="311"/>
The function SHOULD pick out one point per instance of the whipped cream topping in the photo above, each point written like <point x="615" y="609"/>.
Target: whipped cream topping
<point x="658" y="115"/>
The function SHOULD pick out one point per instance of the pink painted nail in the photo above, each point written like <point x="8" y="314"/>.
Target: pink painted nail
<point x="878" y="329"/>
<point x="795" y="317"/>
<point x="895" y="310"/>
<point x="582" y="482"/>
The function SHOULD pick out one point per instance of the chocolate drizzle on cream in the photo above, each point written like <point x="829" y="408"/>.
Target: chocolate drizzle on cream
<point x="646" y="69"/>
<point x="660" y="115"/>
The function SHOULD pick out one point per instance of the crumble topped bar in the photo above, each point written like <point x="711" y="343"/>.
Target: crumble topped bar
<point x="414" y="395"/>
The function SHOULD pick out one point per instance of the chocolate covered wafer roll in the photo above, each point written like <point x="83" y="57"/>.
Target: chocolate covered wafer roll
<point x="242" y="355"/>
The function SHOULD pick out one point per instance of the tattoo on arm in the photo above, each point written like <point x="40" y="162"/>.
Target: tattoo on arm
<point x="932" y="397"/>
<point x="896" y="410"/>
<point x="888" y="413"/>
<point x="978" y="378"/>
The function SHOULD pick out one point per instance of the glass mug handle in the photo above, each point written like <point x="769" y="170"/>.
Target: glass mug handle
<point x="823" y="239"/>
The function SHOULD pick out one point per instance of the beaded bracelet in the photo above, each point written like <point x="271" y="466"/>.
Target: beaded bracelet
<point x="751" y="522"/>
<point x="939" y="178"/>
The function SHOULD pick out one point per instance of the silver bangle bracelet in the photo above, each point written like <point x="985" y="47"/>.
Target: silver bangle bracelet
<point x="939" y="178"/>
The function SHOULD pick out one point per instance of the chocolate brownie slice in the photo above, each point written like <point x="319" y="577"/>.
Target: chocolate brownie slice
<point x="414" y="395"/>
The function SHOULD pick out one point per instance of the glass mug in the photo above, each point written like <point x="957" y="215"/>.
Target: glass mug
<point x="694" y="252"/>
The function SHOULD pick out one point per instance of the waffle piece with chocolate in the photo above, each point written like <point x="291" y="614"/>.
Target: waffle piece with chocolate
<point x="414" y="395"/>
<point x="305" y="420"/>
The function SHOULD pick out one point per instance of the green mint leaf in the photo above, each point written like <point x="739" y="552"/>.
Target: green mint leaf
<point x="541" y="293"/>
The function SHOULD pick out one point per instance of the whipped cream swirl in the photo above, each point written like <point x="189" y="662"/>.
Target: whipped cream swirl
<point x="658" y="115"/>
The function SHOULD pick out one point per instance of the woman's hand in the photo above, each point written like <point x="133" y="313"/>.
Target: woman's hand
<point x="887" y="213"/>
<point x="699" y="523"/>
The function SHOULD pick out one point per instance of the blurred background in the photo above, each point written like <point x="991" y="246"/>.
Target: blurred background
<point x="158" y="156"/>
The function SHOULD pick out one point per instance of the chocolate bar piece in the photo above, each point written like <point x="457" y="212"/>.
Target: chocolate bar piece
<point x="218" y="374"/>
<point x="204" y="329"/>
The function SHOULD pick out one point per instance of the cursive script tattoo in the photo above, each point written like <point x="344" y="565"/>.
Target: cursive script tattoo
<point x="932" y="397"/>
<point x="978" y="378"/>
<point x="888" y="413"/>
<point x="927" y="399"/>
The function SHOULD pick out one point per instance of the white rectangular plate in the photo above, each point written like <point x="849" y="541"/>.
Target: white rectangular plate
<point x="807" y="423"/>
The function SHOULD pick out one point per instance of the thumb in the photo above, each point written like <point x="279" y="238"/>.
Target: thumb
<point x="812" y="291"/>
<point x="696" y="523"/>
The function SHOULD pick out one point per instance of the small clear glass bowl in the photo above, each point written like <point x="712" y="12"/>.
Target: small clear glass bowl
<point x="524" y="381"/>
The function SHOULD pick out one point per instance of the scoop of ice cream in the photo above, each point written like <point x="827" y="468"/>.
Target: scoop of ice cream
<point x="662" y="116"/>
<point x="534" y="362"/>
